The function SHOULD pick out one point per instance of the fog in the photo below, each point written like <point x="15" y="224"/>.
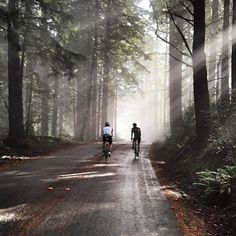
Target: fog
<point x="74" y="107"/>
<point x="147" y="102"/>
<point x="136" y="110"/>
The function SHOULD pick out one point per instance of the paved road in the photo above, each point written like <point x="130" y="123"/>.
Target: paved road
<point x="75" y="193"/>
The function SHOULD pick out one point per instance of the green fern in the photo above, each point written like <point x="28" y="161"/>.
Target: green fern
<point x="217" y="184"/>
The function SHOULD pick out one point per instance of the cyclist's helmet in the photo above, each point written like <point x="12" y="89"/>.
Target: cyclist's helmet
<point x="134" y="124"/>
<point x="107" y="124"/>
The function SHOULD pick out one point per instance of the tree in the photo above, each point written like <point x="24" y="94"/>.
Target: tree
<point x="234" y="47"/>
<point x="201" y="94"/>
<point x="15" y="107"/>
<point x="107" y="65"/>
<point x="175" y="71"/>
<point x="213" y="28"/>
<point x="225" y="51"/>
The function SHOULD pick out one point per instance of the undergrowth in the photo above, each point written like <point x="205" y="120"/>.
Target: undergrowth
<point x="211" y="168"/>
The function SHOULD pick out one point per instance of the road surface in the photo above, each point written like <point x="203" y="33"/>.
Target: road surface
<point x="73" y="192"/>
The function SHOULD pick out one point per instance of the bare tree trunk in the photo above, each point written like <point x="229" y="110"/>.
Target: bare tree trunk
<point x="175" y="76"/>
<point x="16" y="128"/>
<point x="29" y="96"/>
<point x="99" y="121"/>
<point x="213" y="49"/>
<point x="60" y="121"/>
<point x="94" y="73"/>
<point x="225" y="51"/>
<point x="234" y="47"/>
<point x="218" y="82"/>
<point x="106" y="63"/>
<point x="74" y="108"/>
<point x="78" y="108"/>
<point x="85" y="131"/>
<point x="115" y="110"/>
<point x="45" y="97"/>
<point x="29" y="130"/>
<point x="166" y="94"/>
<point x="55" y="107"/>
<point x="201" y="94"/>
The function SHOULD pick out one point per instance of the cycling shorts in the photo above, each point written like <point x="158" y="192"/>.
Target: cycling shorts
<point x="107" y="138"/>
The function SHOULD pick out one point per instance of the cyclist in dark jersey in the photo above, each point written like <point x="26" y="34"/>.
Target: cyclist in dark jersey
<point x="136" y="135"/>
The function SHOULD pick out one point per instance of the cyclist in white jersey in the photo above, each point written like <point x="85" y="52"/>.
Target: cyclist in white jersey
<point x="107" y="133"/>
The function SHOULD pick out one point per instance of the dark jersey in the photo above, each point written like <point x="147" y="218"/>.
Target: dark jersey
<point x="137" y="132"/>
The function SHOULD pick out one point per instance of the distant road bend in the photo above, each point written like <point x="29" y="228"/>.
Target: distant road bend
<point x="74" y="192"/>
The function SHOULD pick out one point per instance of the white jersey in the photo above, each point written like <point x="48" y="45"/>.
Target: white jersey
<point x="107" y="131"/>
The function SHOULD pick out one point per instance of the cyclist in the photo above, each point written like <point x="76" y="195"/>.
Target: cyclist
<point x="107" y="133"/>
<point x="136" y="132"/>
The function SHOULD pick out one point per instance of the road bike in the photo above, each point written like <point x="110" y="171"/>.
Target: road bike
<point x="106" y="149"/>
<point x="136" y="148"/>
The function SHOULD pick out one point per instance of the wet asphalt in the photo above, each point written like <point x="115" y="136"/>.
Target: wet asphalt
<point x="73" y="192"/>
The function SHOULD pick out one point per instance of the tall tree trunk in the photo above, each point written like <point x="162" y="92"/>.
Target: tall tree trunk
<point x="213" y="49"/>
<point x="55" y="107"/>
<point x="94" y="73"/>
<point x="74" y="108"/>
<point x="175" y="76"/>
<point x="201" y="94"/>
<point x="81" y="103"/>
<point x="85" y="131"/>
<point x="60" y="120"/>
<point x="29" y="96"/>
<point x="99" y="121"/>
<point x="86" y="124"/>
<point x="165" y="92"/>
<point x="218" y="82"/>
<point x="234" y="47"/>
<point x="29" y="130"/>
<point x="115" y="108"/>
<point x="225" y="51"/>
<point x="45" y="98"/>
<point x="16" y="128"/>
<point x="78" y="108"/>
<point x="106" y="64"/>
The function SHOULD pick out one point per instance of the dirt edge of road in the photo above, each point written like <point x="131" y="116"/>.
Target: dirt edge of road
<point x="194" y="219"/>
<point x="11" y="158"/>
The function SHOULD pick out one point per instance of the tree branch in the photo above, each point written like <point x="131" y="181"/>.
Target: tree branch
<point x="180" y="32"/>
<point x="187" y="8"/>
<point x="188" y="65"/>
<point x="190" y="21"/>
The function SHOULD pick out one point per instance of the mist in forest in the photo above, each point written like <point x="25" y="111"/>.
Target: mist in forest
<point x="136" y="110"/>
<point x="146" y="102"/>
<point x="105" y="66"/>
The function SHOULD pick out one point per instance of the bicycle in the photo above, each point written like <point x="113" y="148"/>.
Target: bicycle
<point x="136" y="148"/>
<point x="106" y="149"/>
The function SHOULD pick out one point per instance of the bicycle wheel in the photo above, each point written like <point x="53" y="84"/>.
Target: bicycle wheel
<point x="106" y="151"/>
<point x="135" y="149"/>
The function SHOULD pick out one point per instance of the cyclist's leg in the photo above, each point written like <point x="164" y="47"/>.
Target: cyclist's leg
<point x="133" y="143"/>
<point x="110" y="144"/>
<point x="103" y="146"/>
<point x="139" y="140"/>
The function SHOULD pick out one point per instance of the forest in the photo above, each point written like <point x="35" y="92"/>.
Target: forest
<point x="68" y="66"/>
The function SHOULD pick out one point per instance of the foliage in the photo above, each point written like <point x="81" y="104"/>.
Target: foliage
<point x="218" y="186"/>
<point x="222" y="124"/>
<point x="189" y="119"/>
